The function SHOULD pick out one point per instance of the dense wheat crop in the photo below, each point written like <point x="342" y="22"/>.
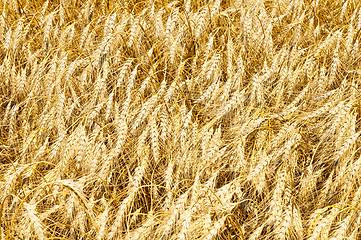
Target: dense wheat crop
<point x="188" y="119"/>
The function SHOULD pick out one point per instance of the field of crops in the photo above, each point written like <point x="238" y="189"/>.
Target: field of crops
<point x="188" y="119"/>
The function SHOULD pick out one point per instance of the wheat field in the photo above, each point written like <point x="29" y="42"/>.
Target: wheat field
<point x="188" y="119"/>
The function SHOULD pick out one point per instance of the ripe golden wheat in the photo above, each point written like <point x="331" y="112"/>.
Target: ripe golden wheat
<point x="188" y="119"/>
